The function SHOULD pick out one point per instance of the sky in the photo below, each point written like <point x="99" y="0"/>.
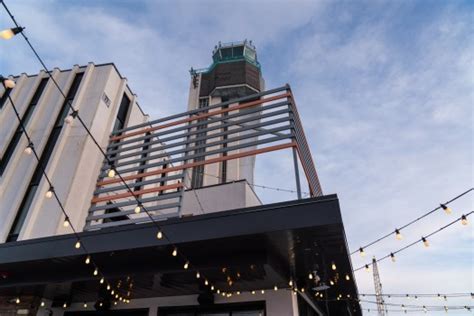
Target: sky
<point x="384" y="89"/>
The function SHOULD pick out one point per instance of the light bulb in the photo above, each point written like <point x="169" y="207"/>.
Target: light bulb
<point x="175" y="252"/>
<point x="348" y="277"/>
<point x="85" y="305"/>
<point x="425" y="242"/>
<point x="367" y="268"/>
<point x="96" y="271"/>
<point x="446" y="209"/>
<point x="253" y="292"/>
<point x="361" y="252"/>
<point x="263" y="291"/>
<point x="392" y="256"/>
<point x="9" y="33"/>
<point x="137" y="209"/>
<point x="212" y="287"/>
<point x="186" y="265"/>
<point x="42" y="304"/>
<point x="302" y="289"/>
<point x="69" y="119"/>
<point x="333" y="266"/>
<point x="65" y="305"/>
<point x="17" y="300"/>
<point x="310" y="276"/>
<point x="10" y="84"/>
<point x="66" y="222"/>
<point x="398" y="235"/>
<point x="275" y="288"/>
<point x="88" y="260"/>
<point x="108" y="287"/>
<point x="78" y="244"/>
<point x="198" y="275"/>
<point x="111" y="173"/>
<point x="49" y="193"/>
<point x="101" y="280"/>
<point x="116" y="295"/>
<point x="238" y="292"/>
<point x="29" y="149"/>
<point x="206" y="282"/>
<point x="112" y="293"/>
<point x="159" y="235"/>
<point x="290" y="283"/>
<point x="331" y="282"/>
<point x="464" y="220"/>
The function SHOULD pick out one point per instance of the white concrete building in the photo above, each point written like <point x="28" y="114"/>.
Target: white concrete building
<point x="247" y="253"/>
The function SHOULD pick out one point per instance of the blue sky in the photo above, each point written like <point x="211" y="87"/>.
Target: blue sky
<point x="385" y="90"/>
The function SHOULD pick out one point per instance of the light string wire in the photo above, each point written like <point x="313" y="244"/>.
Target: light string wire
<point x="420" y="295"/>
<point x="417" y="241"/>
<point x="162" y="234"/>
<point x="128" y="187"/>
<point x="82" y="245"/>
<point x="411" y="222"/>
<point x="428" y="307"/>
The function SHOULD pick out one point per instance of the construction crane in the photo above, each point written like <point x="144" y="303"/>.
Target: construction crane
<point x="378" y="289"/>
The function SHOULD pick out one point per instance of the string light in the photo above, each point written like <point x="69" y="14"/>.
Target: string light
<point x="29" y="149"/>
<point x="392" y="256"/>
<point x="331" y="282"/>
<point x="77" y="245"/>
<point x="425" y="242"/>
<point x="17" y="300"/>
<point x="49" y="193"/>
<point x="175" y="252"/>
<point x="290" y="283"/>
<point x="96" y="271"/>
<point x="398" y="235"/>
<point x="88" y="260"/>
<point x="333" y="266"/>
<point x="361" y="251"/>
<point x="70" y="118"/>
<point x="263" y="291"/>
<point x="9" y="33"/>
<point x="367" y="268"/>
<point x="102" y="280"/>
<point x="42" y="304"/>
<point x="186" y="265"/>
<point x="159" y="235"/>
<point x="7" y="82"/>
<point x="198" y="275"/>
<point x="348" y="277"/>
<point x="85" y="305"/>
<point x="65" y="305"/>
<point x="433" y="211"/>
<point x="206" y="282"/>
<point x="137" y="209"/>
<point x="464" y="220"/>
<point x="66" y="222"/>
<point x="310" y="276"/>
<point x="108" y="287"/>
<point x="275" y="288"/>
<point x="446" y="209"/>
<point x="111" y="172"/>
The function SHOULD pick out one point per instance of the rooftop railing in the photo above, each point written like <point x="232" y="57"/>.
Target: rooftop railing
<point x="154" y="158"/>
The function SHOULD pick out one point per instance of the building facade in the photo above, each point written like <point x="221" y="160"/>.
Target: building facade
<point x="186" y="177"/>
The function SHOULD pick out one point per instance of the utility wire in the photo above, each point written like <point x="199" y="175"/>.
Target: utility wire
<point x="412" y="222"/>
<point x="417" y="241"/>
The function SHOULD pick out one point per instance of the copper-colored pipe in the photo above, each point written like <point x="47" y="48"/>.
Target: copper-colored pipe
<point x="198" y="117"/>
<point x="127" y="194"/>
<point x="199" y="163"/>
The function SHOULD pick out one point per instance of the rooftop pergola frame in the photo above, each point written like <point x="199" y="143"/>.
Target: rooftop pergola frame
<point x="155" y="159"/>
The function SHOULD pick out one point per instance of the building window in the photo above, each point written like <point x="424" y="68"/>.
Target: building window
<point x="43" y="161"/>
<point x="7" y="155"/>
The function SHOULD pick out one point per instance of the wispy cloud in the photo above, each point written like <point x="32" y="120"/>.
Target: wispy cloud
<point x="385" y="90"/>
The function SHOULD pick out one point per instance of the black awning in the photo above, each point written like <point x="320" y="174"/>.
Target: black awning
<point x="255" y="248"/>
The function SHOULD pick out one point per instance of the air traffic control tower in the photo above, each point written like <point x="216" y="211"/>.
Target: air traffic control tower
<point x="234" y="73"/>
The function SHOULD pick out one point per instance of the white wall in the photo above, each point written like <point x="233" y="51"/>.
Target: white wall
<point x="74" y="166"/>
